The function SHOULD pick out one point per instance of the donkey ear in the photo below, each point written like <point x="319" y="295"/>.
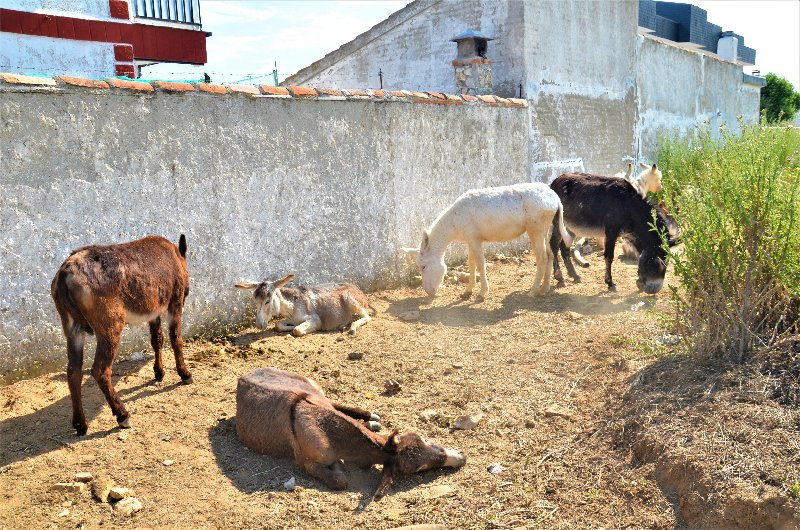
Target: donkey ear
<point x="387" y="477"/>
<point x="391" y="443"/>
<point x="643" y="165"/>
<point x="283" y="281"/>
<point x="655" y="167"/>
<point x="411" y="251"/>
<point x="246" y="285"/>
<point x="425" y="240"/>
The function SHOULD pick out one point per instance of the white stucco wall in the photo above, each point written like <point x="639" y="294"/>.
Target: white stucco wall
<point x="680" y="89"/>
<point x="28" y="54"/>
<point x="97" y="9"/>
<point x="261" y="187"/>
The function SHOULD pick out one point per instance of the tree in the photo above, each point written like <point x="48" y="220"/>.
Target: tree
<point x="779" y="99"/>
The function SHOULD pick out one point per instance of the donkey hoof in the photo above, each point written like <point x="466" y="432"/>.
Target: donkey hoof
<point x="612" y="287"/>
<point x="374" y="426"/>
<point x="159" y="376"/>
<point x="80" y="430"/>
<point x="585" y="264"/>
<point x="374" y="417"/>
<point x="124" y="423"/>
<point x="352" y="332"/>
<point x="188" y="381"/>
<point x="466" y="295"/>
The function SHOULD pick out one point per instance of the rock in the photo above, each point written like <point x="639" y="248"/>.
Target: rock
<point x="391" y="387"/>
<point x="128" y="506"/>
<point x="435" y="492"/>
<point x="557" y="410"/>
<point x="63" y="513"/>
<point x="457" y="366"/>
<point x="428" y="415"/>
<point x="421" y="527"/>
<point x="339" y="339"/>
<point x="290" y="484"/>
<point x="572" y="315"/>
<point x="83" y="476"/>
<point x="466" y="423"/>
<point x="122" y="436"/>
<point x="529" y="423"/>
<point x="164" y="437"/>
<point x="637" y="306"/>
<point x="118" y="492"/>
<point x="101" y="487"/>
<point x="137" y="356"/>
<point x="168" y="462"/>
<point x="496" y="468"/>
<point x="355" y="355"/>
<point x="70" y="487"/>
<point x="410" y="316"/>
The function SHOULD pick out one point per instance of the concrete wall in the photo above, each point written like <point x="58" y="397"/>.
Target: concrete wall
<point x="579" y="65"/>
<point x="413" y="50"/>
<point x="261" y="186"/>
<point x="679" y="89"/>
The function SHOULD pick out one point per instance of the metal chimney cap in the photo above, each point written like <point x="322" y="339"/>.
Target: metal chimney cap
<point x="470" y="34"/>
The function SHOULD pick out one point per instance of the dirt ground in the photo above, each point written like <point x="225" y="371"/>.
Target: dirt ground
<point x="593" y="421"/>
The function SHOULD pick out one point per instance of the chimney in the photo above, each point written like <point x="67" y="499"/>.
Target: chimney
<point x="473" y="71"/>
<point x="728" y="46"/>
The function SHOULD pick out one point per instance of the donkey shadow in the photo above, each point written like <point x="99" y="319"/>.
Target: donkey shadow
<point x="252" y="472"/>
<point x="49" y="428"/>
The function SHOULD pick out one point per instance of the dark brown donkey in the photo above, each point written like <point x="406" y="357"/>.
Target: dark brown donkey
<point x="609" y="207"/>
<point x="98" y="289"/>
<point x="287" y="415"/>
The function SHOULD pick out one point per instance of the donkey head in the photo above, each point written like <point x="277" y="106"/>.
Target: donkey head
<point x="653" y="260"/>
<point x="650" y="178"/>
<point x="410" y="453"/>
<point x="268" y="303"/>
<point x="431" y="267"/>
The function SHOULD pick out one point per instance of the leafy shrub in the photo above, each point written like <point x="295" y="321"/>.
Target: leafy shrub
<point x="737" y="200"/>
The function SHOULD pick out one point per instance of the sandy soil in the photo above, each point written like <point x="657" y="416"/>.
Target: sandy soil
<point x="594" y="423"/>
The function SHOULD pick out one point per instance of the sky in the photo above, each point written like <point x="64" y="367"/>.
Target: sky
<point x="250" y="37"/>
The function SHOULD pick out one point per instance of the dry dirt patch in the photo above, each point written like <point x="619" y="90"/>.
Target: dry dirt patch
<point x="561" y="382"/>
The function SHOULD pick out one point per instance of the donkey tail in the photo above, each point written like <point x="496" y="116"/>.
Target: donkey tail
<point x="59" y="290"/>
<point x="562" y="228"/>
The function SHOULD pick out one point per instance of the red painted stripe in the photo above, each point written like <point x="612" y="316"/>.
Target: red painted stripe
<point x="154" y="43"/>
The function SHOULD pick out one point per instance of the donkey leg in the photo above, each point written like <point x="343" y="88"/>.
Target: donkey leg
<point x="176" y="340"/>
<point x="555" y="241"/>
<point x="360" y="322"/>
<point x="565" y="255"/>
<point x="107" y="347"/>
<point x="608" y="254"/>
<point x="157" y="342"/>
<point x="284" y="325"/>
<point x="471" y="267"/>
<point x="372" y="420"/>
<point x="480" y="263"/>
<point x="331" y="475"/>
<point x="76" y="338"/>
<point x="539" y="250"/>
<point x="309" y="326"/>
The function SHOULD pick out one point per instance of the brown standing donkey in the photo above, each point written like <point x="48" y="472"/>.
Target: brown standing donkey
<point x="98" y="289"/>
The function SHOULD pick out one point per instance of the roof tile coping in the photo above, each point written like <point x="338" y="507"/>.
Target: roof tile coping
<point x="130" y="85"/>
<point x="19" y="79"/>
<point x="169" y="86"/>
<point x="80" y="81"/>
<point x="296" y="92"/>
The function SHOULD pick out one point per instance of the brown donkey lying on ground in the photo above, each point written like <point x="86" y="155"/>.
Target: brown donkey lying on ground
<point x="287" y="415"/>
<point x="98" y="289"/>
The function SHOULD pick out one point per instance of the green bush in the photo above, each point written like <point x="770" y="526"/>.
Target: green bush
<point x="736" y="198"/>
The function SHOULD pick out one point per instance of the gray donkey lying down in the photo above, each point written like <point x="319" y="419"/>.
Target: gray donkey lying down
<point x="284" y="414"/>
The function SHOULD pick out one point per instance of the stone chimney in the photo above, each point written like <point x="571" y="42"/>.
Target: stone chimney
<point x="473" y="71"/>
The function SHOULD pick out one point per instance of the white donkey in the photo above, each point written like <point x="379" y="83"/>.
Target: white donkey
<point x="492" y="214"/>
<point x="648" y="181"/>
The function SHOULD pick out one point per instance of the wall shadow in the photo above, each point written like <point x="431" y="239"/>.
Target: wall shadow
<point x="50" y="427"/>
<point x="252" y="472"/>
